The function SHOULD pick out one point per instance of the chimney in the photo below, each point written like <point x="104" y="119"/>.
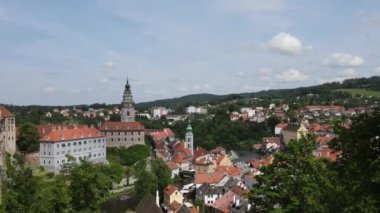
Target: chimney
<point x="157" y="199"/>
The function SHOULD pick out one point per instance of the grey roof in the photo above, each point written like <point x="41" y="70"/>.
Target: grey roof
<point x="148" y="204"/>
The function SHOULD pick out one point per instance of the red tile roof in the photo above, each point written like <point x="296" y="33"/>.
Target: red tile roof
<point x="229" y="170"/>
<point x="4" y="112"/>
<point x="199" y="152"/>
<point x="319" y="108"/>
<point x="170" y="189"/>
<point x="224" y="203"/>
<point x="324" y="140"/>
<point x="212" y="178"/>
<point x="174" y="206"/>
<point x="44" y="129"/>
<point x="159" y="135"/>
<point x="71" y="134"/>
<point x="281" y="125"/>
<point x="122" y="126"/>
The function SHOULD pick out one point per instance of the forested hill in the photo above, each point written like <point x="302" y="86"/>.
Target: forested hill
<point x="370" y="84"/>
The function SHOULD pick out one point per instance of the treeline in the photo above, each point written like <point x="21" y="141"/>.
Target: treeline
<point x="80" y="188"/>
<point x="299" y="182"/>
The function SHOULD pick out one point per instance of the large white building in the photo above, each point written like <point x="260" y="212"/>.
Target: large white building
<point x="159" y="112"/>
<point x="80" y="143"/>
<point x="196" y="110"/>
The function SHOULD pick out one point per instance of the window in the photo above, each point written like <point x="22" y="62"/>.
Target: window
<point x="57" y="145"/>
<point x="75" y="143"/>
<point x="85" y="142"/>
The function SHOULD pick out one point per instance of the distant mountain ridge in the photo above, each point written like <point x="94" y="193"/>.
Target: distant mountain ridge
<point x="371" y="83"/>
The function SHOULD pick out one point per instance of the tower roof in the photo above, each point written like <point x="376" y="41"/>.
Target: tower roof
<point x="127" y="86"/>
<point x="189" y="128"/>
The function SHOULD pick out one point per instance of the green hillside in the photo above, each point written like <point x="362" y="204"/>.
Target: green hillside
<point x="360" y="91"/>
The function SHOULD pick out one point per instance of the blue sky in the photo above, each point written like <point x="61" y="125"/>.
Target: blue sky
<point x="73" y="52"/>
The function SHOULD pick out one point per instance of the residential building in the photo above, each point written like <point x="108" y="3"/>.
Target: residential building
<point x="209" y="193"/>
<point x="279" y="127"/>
<point x="7" y="131"/>
<point x="196" y="110"/>
<point x="293" y="132"/>
<point x="80" y="143"/>
<point x="123" y="134"/>
<point x="159" y="112"/>
<point x="173" y="199"/>
<point x="127" y="113"/>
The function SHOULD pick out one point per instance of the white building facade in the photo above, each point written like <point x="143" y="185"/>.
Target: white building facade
<point x="79" y="143"/>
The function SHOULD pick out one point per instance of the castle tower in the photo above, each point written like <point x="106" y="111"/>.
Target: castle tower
<point x="127" y="112"/>
<point x="190" y="139"/>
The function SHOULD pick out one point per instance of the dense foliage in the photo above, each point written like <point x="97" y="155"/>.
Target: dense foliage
<point x="79" y="190"/>
<point x="155" y="178"/>
<point x="128" y="156"/>
<point x="299" y="182"/>
<point x="28" y="139"/>
<point x="220" y="131"/>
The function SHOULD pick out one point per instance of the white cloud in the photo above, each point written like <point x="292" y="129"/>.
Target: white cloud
<point x="349" y="73"/>
<point x="287" y="43"/>
<point x="108" y="65"/>
<point x="343" y="60"/>
<point x="291" y="75"/>
<point x="240" y="74"/>
<point x="104" y="81"/>
<point x="50" y="89"/>
<point x="377" y="70"/>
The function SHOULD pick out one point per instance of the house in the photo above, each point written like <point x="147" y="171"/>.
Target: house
<point x="173" y="199"/>
<point x="161" y="134"/>
<point x="79" y="143"/>
<point x="159" y="112"/>
<point x="271" y="144"/>
<point x="230" y="203"/>
<point x="123" y="134"/>
<point x="209" y="193"/>
<point x="234" y="116"/>
<point x="210" y="178"/>
<point x="323" y="151"/>
<point x="7" y="131"/>
<point x="293" y="132"/>
<point x="279" y="127"/>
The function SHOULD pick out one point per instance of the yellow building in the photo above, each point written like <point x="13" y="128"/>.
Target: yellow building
<point x="209" y="162"/>
<point x="171" y="195"/>
<point x="293" y="132"/>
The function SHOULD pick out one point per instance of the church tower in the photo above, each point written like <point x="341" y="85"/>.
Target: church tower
<point x="190" y="139"/>
<point x="127" y="112"/>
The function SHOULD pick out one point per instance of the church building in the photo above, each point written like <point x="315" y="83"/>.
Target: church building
<point x="127" y="132"/>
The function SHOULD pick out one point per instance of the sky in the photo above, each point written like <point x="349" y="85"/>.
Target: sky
<point x="81" y="52"/>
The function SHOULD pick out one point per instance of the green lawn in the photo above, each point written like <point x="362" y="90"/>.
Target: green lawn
<point x="360" y="92"/>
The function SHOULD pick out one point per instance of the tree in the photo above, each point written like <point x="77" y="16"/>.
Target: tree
<point x="272" y="122"/>
<point x="52" y="196"/>
<point x="295" y="182"/>
<point x="146" y="184"/>
<point x="19" y="188"/>
<point x="28" y="139"/>
<point x="133" y="154"/>
<point x="358" y="167"/>
<point x="162" y="172"/>
<point x="87" y="186"/>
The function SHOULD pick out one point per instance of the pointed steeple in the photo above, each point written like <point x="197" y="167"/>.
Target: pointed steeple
<point x="127" y="86"/>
